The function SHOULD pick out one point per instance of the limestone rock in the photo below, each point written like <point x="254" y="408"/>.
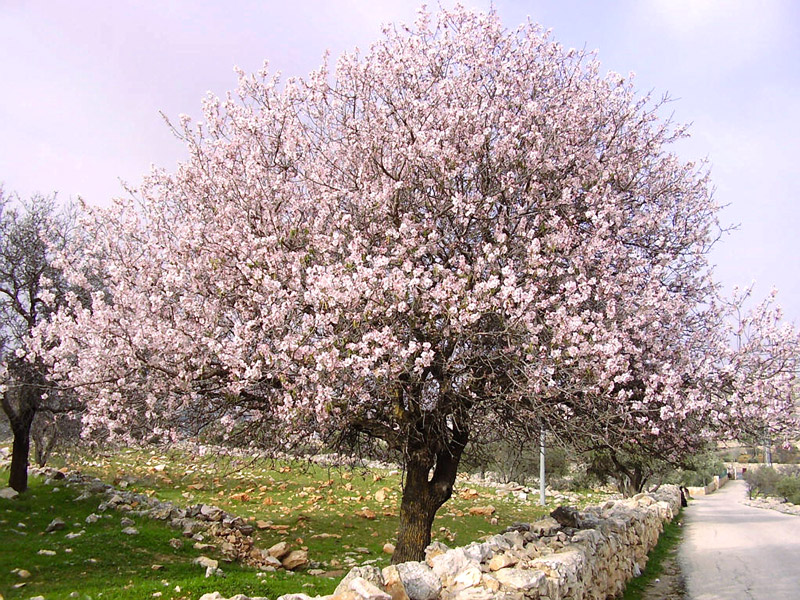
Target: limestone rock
<point x="485" y="511"/>
<point x="502" y="561"/>
<point x="567" y="516"/>
<point x="434" y="549"/>
<point x="521" y="579"/>
<point x="368" y="573"/>
<point x="393" y="584"/>
<point x="478" y="552"/>
<point x="446" y="566"/>
<point x="545" y="527"/>
<point x="359" y="588"/>
<point x="468" y="577"/>
<point x="211" y="513"/>
<point x="419" y="581"/>
<point x="295" y="559"/>
<point x="205" y="561"/>
<point x="130" y="531"/>
<point x="279" y="550"/>
<point x="8" y="493"/>
<point x="55" y="525"/>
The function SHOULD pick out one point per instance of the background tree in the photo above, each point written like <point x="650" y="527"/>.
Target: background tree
<point x="465" y="227"/>
<point x="31" y="232"/>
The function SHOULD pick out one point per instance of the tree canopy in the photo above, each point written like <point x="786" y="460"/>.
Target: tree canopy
<point x="464" y="227"/>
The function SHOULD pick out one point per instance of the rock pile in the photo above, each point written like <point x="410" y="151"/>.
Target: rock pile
<point x="771" y="503"/>
<point x="231" y="534"/>
<point x="581" y="555"/>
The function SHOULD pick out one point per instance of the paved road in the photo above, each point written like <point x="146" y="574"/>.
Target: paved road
<point x="732" y="551"/>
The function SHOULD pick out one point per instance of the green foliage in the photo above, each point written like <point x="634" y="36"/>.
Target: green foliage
<point x="698" y="470"/>
<point x="768" y="481"/>
<point x="789" y="488"/>
<point x="790" y="455"/>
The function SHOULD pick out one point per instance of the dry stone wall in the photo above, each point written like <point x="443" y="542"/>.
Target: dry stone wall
<point x="577" y="555"/>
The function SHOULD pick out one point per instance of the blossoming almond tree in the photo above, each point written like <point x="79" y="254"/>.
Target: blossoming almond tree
<point x="464" y="225"/>
<point x="32" y="232"/>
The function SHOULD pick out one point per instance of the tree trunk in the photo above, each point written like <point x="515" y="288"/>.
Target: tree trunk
<point x="20" y="402"/>
<point x="21" y="427"/>
<point x="417" y="510"/>
<point x="423" y="496"/>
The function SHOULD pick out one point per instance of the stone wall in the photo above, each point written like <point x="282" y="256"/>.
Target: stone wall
<point x="580" y="555"/>
<point x="716" y="483"/>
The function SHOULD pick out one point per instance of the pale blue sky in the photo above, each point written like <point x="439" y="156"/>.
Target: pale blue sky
<point x="83" y="83"/>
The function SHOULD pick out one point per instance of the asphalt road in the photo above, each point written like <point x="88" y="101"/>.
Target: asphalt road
<point x="732" y="551"/>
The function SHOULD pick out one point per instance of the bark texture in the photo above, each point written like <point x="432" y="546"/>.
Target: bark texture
<point x="428" y="485"/>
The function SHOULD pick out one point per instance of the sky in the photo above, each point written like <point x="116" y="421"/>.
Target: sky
<point x="84" y="84"/>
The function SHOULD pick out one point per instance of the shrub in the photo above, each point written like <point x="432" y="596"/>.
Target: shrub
<point x="762" y="481"/>
<point x="789" y="488"/>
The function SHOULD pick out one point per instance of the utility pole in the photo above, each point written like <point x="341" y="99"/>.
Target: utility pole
<point x="542" y="500"/>
<point x="768" y="451"/>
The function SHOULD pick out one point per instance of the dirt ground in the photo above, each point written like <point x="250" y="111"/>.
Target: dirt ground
<point x="670" y="585"/>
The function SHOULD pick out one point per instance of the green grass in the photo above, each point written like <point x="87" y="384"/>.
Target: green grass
<point x="305" y="505"/>
<point x="666" y="547"/>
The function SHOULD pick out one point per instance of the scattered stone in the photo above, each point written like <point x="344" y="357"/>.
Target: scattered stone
<point x="23" y="574"/>
<point x="484" y="511"/>
<point x="130" y="531"/>
<point x="366" y="513"/>
<point x="47" y="552"/>
<point x="157" y="567"/>
<point x="205" y="561"/>
<point x="55" y="525"/>
<point x="388" y="548"/>
<point x="176" y="543"/>
<point x="73" y="535"/>
<point x="295" y="559"/>
<point x="8" y="493"/>
<point x="92" y="518"/>
<point x="203" y="547"/>
<point x="279" y="550"/>
<point x="126" y="522"/>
